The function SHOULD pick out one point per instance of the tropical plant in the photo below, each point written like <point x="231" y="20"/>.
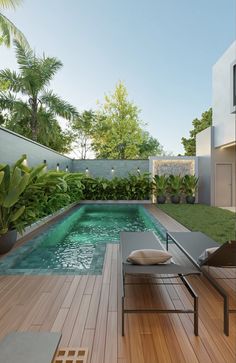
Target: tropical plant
<point x="134" y="187"/>
<point x="175" y="187"/>
<point x="139" y="186"/>
<point x="190" y="183"/>
<point x="160" y="187"/>
<point x="12" y="185"/>
<point x="7" y="29"/>
<point x="48" y="192"/>
<point x="28" y="194"/>
<point x="75" y="186"/>
<point x="33" y="107"/>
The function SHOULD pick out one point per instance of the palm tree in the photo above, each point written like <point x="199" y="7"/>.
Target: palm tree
<point x="26" y="95"/>
<point x="7" y="29"/>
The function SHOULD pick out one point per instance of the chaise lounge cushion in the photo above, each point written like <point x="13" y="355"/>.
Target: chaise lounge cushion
<point x="206" y="254"/>
<point x="149" y="257"/>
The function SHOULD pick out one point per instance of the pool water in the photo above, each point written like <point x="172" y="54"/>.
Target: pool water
<point x="77" y="243"/>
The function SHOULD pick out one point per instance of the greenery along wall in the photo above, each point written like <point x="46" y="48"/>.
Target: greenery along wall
<point x="28" y="194"/>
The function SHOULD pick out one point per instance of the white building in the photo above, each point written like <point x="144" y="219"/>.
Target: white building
<point x="216" y="146"/>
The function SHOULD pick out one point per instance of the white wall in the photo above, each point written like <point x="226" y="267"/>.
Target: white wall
<point x="204" y="140"/>
<point x="224" y="119"/>
<point x="228" y="156"/>
<point x="13" y="146"/>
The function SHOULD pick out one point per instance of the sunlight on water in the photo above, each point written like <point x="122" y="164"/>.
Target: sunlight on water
<point x="78" y="242"/>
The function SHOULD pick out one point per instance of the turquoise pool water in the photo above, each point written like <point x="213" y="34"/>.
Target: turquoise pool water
<point x="77" y="243"/>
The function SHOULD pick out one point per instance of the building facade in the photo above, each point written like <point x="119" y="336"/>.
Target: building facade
<point x="216" y="146"/>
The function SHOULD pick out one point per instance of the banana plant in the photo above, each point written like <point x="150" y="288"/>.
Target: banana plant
<point x="12" y="184"/>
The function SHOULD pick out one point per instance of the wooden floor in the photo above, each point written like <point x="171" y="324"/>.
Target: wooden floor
<point x="87" y="310"/>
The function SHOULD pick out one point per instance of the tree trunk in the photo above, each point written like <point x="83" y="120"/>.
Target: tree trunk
<point x="34" y="126"/>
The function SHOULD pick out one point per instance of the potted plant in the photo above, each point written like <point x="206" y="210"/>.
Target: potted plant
<point x="175" y="186"/>
<point x="160" y="185"/>
<point x="12" y="184"/>
<point x="190" y="183"/>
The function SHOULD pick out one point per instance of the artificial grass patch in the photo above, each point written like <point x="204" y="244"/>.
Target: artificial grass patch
<point x="219" y="224"/>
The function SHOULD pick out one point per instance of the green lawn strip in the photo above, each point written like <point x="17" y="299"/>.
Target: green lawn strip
<point x="217" y="223"/>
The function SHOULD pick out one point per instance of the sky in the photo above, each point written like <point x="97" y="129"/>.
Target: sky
<point x="163" y="50"/>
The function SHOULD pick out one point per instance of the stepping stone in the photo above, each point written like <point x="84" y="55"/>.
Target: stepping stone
<point x="29" y="347"/>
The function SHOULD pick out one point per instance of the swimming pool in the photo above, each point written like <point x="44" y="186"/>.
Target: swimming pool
<point x="77" y="243"/>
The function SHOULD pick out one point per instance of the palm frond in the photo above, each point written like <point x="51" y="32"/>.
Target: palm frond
<point x="48" y="67"/>
<point x="58" y="106"/>
<point x="8" y="101"/>
<point x="11" y="80"/>
<point x="10" y="3"/>
<point x="24" y="55"/>
<point x="36" y="72"/>
<point x="8" y="30"/>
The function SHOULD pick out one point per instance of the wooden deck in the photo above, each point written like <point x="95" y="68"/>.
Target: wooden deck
<point x="87" y="310"/>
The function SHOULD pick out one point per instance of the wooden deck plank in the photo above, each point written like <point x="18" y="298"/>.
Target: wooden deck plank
<point x="73" y="312"/>
<point x="87" y="310"/>
<point x="71" y="293"/>
<point x="111" y="338"/>
<point x="60" y="320"/>
<point x="94" y="304"/>
<point x="87" y="341"/>
<point x="79" y="325"/>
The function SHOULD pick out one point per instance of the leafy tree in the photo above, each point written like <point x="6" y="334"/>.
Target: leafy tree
<point x="118" y="132"/>
<point x="33" y="107"/>
<point x="7" y="29"/>
<point x="198" y="126"/>
<point x="83" y="127"/>
<point x="149" y="146"/>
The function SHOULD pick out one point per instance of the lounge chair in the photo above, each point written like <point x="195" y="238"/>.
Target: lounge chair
<point x="130" y="241"/>
<point x="193" y="244"/>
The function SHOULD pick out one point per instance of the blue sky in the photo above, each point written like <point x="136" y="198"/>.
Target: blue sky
<point x="162" y="50"/>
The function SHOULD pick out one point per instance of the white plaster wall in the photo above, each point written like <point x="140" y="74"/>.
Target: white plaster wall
<point x="224" y="119"/>
<point x="204" y="153"/>
<point x="13" y="146"/>
<point x="228" y="156"/>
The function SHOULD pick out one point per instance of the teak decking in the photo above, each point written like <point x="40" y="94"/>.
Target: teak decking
<point x="87" y="310"/>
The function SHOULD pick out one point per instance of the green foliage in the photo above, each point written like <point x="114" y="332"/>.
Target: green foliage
<point x="75" y="186"/>
<point x="134" y="187"/>
<point x="7" y="29"/>
<point x="149" y="146"/>
<point x="217" y="223"/>
<point x="117" y="130"/>
<point x="48" y="192"/>
<point x="198" y="126"/>
<point x="83" y="127"/>
<point x="190" y="183"/>
<point x="28" y="194"/>
<point x="175" y="185"/>
<point x="160" y="185"/>
<point x="12" y="186"/>
<point x="33" y="109"/>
